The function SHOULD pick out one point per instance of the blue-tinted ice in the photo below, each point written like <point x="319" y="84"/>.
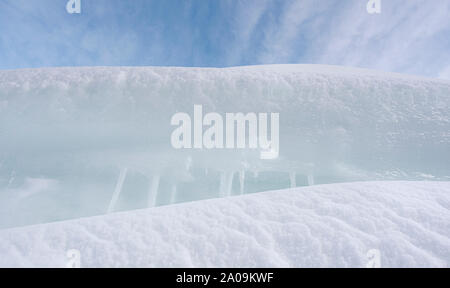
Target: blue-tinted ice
<point x="85" y="141"/>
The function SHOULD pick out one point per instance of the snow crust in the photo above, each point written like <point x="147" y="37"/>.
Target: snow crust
<point x="320" y="226"/>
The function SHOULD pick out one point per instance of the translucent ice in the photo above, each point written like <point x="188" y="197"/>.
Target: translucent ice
<point x="85" y="141"/>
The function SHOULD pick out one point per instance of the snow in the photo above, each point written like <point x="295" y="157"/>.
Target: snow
<point x="78" y="142"/>
<point x="334" y="225"/>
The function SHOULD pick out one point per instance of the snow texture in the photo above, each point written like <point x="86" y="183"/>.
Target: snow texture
<point x="333" y="225"/>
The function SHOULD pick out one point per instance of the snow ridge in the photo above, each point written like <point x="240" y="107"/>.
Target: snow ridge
<point x="320" y="226"/>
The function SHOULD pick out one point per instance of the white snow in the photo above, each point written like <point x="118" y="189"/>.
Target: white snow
<point x="332" y="225"/>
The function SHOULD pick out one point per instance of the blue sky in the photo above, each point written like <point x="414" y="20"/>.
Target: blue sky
<point x="409" y="36"/>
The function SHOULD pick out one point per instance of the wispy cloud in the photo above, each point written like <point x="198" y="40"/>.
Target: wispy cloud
<point x="287" y="34"/>
<point x="408" y="36"/>
<point x="245" y="21"/>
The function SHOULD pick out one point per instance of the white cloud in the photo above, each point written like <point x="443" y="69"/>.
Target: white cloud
<point x="408" y="36"/>
<point x="280" y="35"/>
<point x="245" y="23"/>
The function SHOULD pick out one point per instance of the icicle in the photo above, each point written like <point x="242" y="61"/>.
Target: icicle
<point x="173" y="194"/>
<point x="310" y="179"/>
<point x="118" y="189"/>
<point x="229" y="180"/>
<point x="188" y="163"/>
<point x="293" y="180"/>
<point x="153" y="191"/>
<point x="226" y="183"/>
<point x="241" y="180"/>
<point x="12" y="178"/>
<point x="222" y="184"/>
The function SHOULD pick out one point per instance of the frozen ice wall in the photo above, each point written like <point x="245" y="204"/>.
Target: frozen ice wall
<point x="84" y="141"/>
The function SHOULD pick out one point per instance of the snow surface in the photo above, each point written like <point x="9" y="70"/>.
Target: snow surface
<point x="331" y="225"/>
<point x="66" y="134"/>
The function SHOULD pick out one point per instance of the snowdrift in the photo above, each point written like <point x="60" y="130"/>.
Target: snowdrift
<point x="337" y="225"/>
<point x="86" y="141"/>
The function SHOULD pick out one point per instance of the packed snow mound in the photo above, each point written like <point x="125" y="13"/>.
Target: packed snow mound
<point x="71" y="138"/>
<point x="404" y="224"/>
